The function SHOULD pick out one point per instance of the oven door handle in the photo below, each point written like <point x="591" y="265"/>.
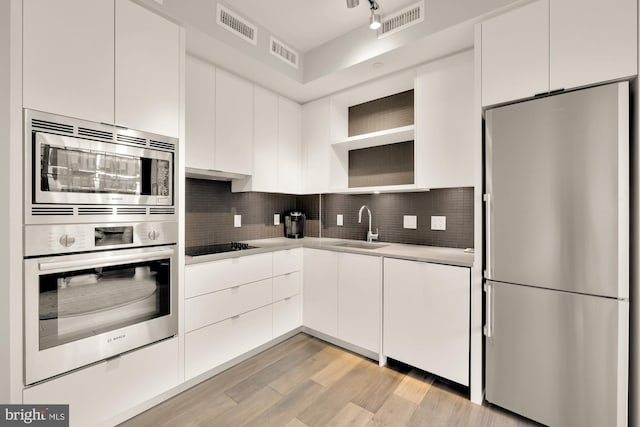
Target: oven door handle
<point x="102" y="262"/>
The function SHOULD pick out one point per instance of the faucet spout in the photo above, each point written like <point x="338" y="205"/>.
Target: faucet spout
<point x="370" y="236"/>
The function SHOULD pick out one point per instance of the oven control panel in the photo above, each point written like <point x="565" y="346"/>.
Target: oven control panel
<point x="69" y="238"/>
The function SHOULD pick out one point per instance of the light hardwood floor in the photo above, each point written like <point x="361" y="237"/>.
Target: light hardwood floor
<point x="304" y="381"/>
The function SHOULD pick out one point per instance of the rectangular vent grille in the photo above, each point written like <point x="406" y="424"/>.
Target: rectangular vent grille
<point x="131" y="211"/>
<point x="98" y="134"/>
<point x="95" y="211"/>
<point x="37" y="124"/>
<point x="46" y="211"/>
<point x="162" y="211"/>
<point x="162" y="145"/>
<point x="284" y="52"/>
<point x="132" y="140"/>
<point x="401" y="20"/>
<point x="237" y="25"/>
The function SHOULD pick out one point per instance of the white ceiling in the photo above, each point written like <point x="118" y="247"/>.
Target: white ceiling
<point x="307" y="24"/>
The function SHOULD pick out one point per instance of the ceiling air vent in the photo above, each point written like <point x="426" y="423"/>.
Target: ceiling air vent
<point x="284" y="52"/>
<point x="402" y="19"/>
<point x="237" y="25"/>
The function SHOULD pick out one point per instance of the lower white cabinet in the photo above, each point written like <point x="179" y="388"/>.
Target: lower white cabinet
<point x="231" y="308"/>
<point x="359" y="295"/>
<point x="213" y="345"/>
<point x="320" y="296"/>
<point x="287" y="315"/>
<point x="426" y="317"/>
<point x="99" y="392"/>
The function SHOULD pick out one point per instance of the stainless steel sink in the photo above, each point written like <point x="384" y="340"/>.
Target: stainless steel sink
<point x="361" y="245"/>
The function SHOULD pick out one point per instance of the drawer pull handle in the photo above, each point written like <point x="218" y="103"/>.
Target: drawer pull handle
<point x="233" y="288"/>
<point x="237" y="316"/>
<point x="287" y="298"/>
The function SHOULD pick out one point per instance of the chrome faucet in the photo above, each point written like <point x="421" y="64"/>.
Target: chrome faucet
<point x="370" y="236"/>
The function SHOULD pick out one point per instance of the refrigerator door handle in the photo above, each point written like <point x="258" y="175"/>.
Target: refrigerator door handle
<point x="488" y="326"/>
<point x="488" y="272"/>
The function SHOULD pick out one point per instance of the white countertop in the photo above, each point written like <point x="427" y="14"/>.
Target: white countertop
<point x="434" y="254"/>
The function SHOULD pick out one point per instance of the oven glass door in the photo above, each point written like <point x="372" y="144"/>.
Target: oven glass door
<point x="75" y="170"/>
<point x="97" y="305"/>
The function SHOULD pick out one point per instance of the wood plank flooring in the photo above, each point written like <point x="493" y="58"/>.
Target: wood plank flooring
<point x="306" y="382"/>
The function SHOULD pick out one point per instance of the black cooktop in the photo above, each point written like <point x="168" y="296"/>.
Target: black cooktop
<point x="217" y="248"/>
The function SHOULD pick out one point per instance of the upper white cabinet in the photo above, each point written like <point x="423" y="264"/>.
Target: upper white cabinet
<point x="592" y="41"/>
<point x="234" y="124"/>
<point x="276" y="147"/>
<point x="102" y="63"/>
<point x="316" y="146"/>
<point x="515" y="54"/>
<point x="147" y="64"/>
<point x="68" y="52"/>
<point x="289" y="123"/>
<point x="200" y="112"/>
<point x="557" y="44"/>
<point x="265" y="142"/>
<point x="444" y="110"/>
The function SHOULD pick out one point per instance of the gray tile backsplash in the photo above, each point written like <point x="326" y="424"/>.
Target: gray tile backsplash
<point x="210" y="207"/>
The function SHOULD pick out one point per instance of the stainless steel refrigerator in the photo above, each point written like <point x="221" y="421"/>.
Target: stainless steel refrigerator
<point x="557" y="257"/>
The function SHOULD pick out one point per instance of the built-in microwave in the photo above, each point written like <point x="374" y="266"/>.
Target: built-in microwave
<point x="77" y="170"/>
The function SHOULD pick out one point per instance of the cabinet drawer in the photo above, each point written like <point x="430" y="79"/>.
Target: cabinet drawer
<point x="99" y="392"/>
<point x="287" y="261"/>
<point x="287" y="315"/>
<point x="211" y="308"/>
<point x="216" y="275"/>
<point x="215" y="344"/>
<point x="286" y="286"/>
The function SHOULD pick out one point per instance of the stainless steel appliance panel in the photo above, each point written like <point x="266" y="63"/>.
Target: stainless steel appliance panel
<point x="558" y="192"/>
<point x="556" y="357"/>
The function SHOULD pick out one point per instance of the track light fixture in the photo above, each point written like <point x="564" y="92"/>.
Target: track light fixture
<point x="375" y="21"/>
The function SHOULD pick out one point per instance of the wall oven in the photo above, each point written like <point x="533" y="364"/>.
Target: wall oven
<point x="76" y="169"/>
<point x="83" y="307"/>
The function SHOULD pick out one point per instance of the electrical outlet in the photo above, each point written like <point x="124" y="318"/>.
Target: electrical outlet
<point x="439" y="223"/>
<point x="339" y="220"/>
<point x="276" y="219"/>
<point x="410" y="221"/>
<point x="237" y="220"/>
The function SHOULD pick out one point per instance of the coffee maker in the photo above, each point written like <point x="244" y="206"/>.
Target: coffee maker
<point x="294" y="225"/>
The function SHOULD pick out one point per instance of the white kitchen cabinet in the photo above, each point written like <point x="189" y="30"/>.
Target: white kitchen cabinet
<point x="98" y="392"/>
<point x="316" y="146"/>
<point x="200" y="114"/>
<point x="426" y="317"/>
<point x="515" y="54"/>
<point x="68" y="53"/>
<point x="287" y="261"/>
<point x="147" y="64"/>
<point x="289" y="123"/>
<point x="213" y="276"/>
<point x="91" y="61"/>
<point x="265" y="144"/>
<point x="217" y="306"/>
<point x="592" y="41"/>
<point x="444" y="110"/>
<point x="320" y="291"/>
<point x="213" y="345"/>
<point x="234" y="124"/>
<point x="276" y="149"/>
<point x="287" y="315"/>
<point x="550" y="45"/>
<point x="359" y="300"/>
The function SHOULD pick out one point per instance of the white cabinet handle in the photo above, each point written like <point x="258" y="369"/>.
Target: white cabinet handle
<point x="488" y="272"/>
